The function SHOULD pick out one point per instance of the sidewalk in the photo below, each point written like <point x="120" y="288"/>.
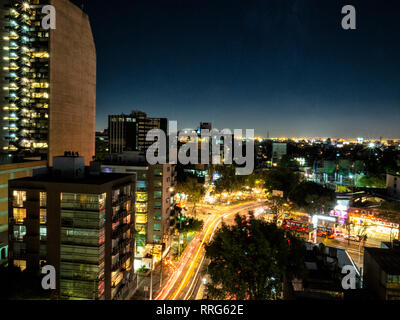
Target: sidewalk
<point x="144" y="281"/>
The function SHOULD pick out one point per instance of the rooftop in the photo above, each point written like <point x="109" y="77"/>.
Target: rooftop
<point x="387" y="259"/>
<point x="100" y="179"/>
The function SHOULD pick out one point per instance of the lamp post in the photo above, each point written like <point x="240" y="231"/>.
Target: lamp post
<point x="151" y="278"/>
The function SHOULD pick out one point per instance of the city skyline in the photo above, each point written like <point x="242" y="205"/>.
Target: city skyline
<point x="283" y="67"/>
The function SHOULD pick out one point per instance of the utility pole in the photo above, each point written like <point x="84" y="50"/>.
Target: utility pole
<point x="151" y="278"/>
<point x="162" y="257"/>
<point x="179" y="237"/>
<point x="161" y="271"/>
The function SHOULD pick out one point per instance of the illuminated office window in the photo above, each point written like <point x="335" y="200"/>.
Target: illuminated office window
<point x="19" y="197"/>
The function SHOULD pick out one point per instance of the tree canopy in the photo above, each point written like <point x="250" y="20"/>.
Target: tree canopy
<point x="313" y="197"/>
<point x="371" y="181"/>
<point x="193" y="189"/>
<point x="250" y="259"/>
<point x="282" y="179"/>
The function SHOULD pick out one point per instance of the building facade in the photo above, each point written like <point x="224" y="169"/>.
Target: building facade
<point x="79" y="221"/>
<point x="155" y="205"/>
<point x="382" y="272"/>
<point x="9" y="172"/>
<point x="128" y="132"/>
<point x="393" y="184"/>
<point x="48" y="79"/>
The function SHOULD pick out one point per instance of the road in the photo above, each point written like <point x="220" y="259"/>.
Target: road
<point x="355" y="251"/>
<point x="185" y="282"/>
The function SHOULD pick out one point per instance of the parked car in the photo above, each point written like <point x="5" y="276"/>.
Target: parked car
<point x="352" y="237"/>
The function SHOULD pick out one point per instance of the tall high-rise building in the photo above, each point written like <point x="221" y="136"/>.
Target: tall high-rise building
<point x="128" y="132"/>
<point x="79" y="221"/>
<point x="48" y="77"/>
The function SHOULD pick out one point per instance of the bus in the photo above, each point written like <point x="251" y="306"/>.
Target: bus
<point x="301" y="227"/>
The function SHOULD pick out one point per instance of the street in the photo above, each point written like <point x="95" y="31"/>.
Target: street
<point x="185" y="282"/>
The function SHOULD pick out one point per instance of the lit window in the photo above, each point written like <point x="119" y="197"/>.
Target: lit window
<point x="43" y="216"/>
<point x="20" y="264"/>
<point x="141" y="218"/>
<point x="19" y="197"/>
<point x="19" y="215"/>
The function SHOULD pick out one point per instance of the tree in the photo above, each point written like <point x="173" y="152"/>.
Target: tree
<point x="229" y="181"/>
<point x="278" y="206"/>
<point x="313" y="197"/>
<point x="188" y="225"/>
<point x="288" y="162"/>
<point x="193" y="189"/>
<point x="250" y="259"/>
<point x="371" y="181"/>
<point x="282" y="179"/>
<point x="185" y="226"/>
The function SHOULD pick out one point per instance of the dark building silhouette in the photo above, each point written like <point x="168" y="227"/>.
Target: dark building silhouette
<point x="128" y="132"/>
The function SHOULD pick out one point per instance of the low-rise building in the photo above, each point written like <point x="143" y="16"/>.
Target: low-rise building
<point x="323" y="277"/>
<point x="9" y="171"/>
<point x="382" y="272"/>
<point x="79" y="221"/>
<point x="393" y="184"/>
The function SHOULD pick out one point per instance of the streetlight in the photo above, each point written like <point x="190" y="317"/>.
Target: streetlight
<point x="151" y="277"/>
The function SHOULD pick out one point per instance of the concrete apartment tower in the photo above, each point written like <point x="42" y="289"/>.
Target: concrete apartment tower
<point x="48" y="79"/>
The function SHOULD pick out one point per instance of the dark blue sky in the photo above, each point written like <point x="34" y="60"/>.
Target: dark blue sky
<point x="285" y="66"/>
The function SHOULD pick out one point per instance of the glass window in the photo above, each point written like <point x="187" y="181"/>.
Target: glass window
<point x="158" y="172"/>
<point x="19" y="197"/>
<point x="142" y="175"/>
<point x="141" y="229"/>
<point x="157" y="194"/>
<point x="43" y="199"/>
<point x="157" y="216"/>
<point x="81" y="201"/>
<point x="20" y="264"/>
<point x="43" y="251"/>
<point x="157" y="204"/>
<point x="141" y="185"/>
<point x="43" y="216"/>
<point x="141" y="207"/>
<point x="19" y="215"/>
<point x="141" y="196"/>
<point x="157" y="227"/>
<point x="158" y="183"/>
<point x="19" y="249"/>
<point x="43" y="233"/>
<point x="141" y="218"/>
<point x="19" y="232"/>
<point x="156" y="238"/>
<point x="393" y="278"/>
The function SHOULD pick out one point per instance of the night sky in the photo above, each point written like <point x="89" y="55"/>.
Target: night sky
<point x="285" y="66"/>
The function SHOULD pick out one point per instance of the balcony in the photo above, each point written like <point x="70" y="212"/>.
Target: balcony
<point x="120" y="215"/>
<point x="121" y="199"/>
<point x="120" y="230"/>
